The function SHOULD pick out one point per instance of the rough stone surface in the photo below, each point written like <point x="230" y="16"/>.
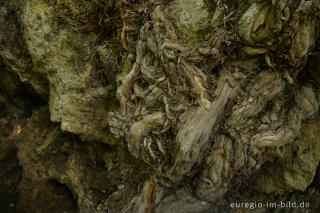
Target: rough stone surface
<point x="48" y="155"/>
<point x="13" y="50"/>
<point x="77" y="99"/>
<point x="297" y="172"/>
<point x="190" y="16"/>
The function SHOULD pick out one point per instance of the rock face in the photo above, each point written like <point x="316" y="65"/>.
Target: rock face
<point x="296" y="172"/>
<point x="53" y="156"/>
<point x="190" y="17"/>
<point x="14" y="53"/>
<point x="158" y="106"/>
<point x="77" y="97"/>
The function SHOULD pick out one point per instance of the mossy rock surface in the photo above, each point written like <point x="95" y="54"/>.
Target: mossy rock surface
<point x="297" y="172"/>
<point x="190" y="17"/>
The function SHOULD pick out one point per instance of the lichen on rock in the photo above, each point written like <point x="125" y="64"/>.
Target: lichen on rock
<point x="77" y="99"/>
<point x="190" y="17"/>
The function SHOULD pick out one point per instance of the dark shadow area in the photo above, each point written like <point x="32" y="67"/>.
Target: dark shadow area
<point x="20" y="94"/>
<point x="10" y="175"/>
<point x="50" y="197"/>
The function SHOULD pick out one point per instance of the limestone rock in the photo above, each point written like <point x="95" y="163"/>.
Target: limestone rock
<point x="294" y="173"/>
<point x="47" y="155"/>
<point x="13" y="52"/>
<point x="76" y="99"/>
<point x="190" y="16"/>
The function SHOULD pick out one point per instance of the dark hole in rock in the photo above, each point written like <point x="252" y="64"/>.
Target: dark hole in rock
<point x="10" y="173"/>
<point x="49" y="196"/>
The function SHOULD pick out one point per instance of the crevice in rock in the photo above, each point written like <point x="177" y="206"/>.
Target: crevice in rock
<point x="47" y="196"/>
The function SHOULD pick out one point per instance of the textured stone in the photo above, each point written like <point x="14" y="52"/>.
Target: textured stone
<point x="47" y="154"/>
<point x="76" y="99"/>
<point x="190" y="16"/>
<point x="13" y="52"/>
<point x="297" y="172"/>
